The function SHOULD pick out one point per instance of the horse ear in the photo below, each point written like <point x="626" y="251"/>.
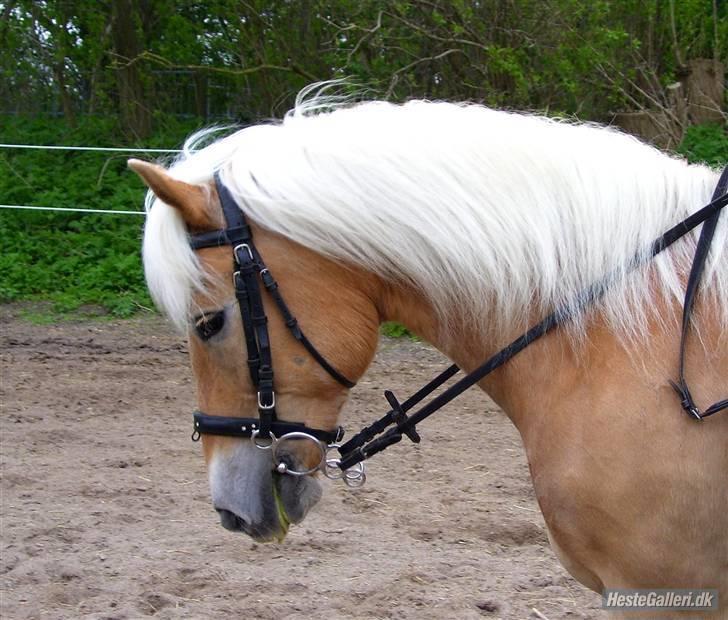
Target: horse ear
<point x="192" y="201"/>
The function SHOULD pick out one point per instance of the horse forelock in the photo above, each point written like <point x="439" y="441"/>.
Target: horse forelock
<point x="494" y="209"/>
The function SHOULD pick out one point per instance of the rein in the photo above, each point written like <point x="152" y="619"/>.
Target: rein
<point x="365" y="443"/>
<point x="269" y="433"/>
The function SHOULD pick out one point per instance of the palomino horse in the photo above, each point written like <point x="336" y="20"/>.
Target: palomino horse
<point x="466" y="225"/>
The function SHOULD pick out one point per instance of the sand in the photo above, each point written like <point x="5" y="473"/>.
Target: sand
<point x="106" y="510"/>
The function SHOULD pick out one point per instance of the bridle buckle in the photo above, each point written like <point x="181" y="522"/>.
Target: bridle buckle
<point x="244" y="246"/>
<point x="269" y="406"/>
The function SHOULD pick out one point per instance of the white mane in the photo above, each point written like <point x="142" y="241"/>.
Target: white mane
<point x="484" y="211"/>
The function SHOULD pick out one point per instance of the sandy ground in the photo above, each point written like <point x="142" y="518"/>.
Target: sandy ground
<point x="106" y="511"/>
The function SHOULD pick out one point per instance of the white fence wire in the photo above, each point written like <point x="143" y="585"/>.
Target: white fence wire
<point x="103" y="149"/>
<point x="34" y="208"/>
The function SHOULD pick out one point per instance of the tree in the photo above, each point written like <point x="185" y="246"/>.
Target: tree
<point x="246" y="59"/>
<point x="133" y="103"/>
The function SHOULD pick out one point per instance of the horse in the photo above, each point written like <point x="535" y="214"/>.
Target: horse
<point x="466" y="225"/>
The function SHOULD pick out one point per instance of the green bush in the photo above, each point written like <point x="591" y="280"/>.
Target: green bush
<point x="395" y="330"/>
<point x="73" y="259"/>
<point x="706" y="143"/>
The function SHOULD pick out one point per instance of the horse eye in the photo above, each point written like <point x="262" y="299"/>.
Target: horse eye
<point x="207" y="325"/>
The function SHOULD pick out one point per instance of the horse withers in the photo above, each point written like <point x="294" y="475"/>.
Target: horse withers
<point x="466" y="225"/>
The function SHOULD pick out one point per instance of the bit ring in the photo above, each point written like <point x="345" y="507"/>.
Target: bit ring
<point x="281" y="467"/>
<point x="262" y="446"/>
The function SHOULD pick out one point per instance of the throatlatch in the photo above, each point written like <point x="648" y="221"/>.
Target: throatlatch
<point x="696" y="271"/>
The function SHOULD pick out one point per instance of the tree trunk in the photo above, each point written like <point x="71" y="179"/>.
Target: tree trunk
<point x="678" y="104"/>
<point x="98" y="67"/>
<point x="69" y="112"/>
<point x="705" y="88"/>
<point x="135" y="116"/>
<point x="654" y="126"/>
<point x="201" y="107"/>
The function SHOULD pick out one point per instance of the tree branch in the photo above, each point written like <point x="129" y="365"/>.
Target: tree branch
<point x="435" y="37"/>
<point x="395" y="76"/>
<point x="168" y="64"/>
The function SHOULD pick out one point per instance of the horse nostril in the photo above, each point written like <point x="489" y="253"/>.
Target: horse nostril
<point x="231" y="521"/>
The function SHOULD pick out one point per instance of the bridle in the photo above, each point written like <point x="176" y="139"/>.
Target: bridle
<point x="267" y="432"/>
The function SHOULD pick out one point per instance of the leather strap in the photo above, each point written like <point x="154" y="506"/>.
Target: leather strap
<point x="696" y="271"/>
<point x="212" y="239"/>
<point x="249" y="270"/>
<point x="257" y="342"/>
<point x="244" y="427"/>
<point x="369" y="432"/>
<point x="292" y="323"/>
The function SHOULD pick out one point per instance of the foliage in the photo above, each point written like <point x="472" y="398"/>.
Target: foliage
<point x="395" y="330"/>
<point x="706" y="143"/>
<point x="247" y="60"/>
<point x="72" y="259"/>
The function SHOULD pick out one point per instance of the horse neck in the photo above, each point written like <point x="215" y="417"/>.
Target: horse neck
<point x="554" y="365"/>
<point x="549" y="372"/>
<point x="465" y="343"/>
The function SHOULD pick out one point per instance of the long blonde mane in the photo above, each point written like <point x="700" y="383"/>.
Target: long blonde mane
<point x="486" y="212"/>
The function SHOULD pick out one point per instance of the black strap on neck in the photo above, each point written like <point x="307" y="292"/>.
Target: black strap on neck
<point x="696" y="271"/>
<point x="249" y="271"/>
<point x="363" y="445"/>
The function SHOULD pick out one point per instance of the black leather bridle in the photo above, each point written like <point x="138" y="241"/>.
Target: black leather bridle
<point x="249" y="273"/>
<point x="390" y="428"/>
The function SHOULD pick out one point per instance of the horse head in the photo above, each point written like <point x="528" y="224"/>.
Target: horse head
<point x="331" y="301"/>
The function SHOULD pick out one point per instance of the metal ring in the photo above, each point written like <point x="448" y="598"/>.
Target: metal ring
<point x="330" y="466"/>
<point x="354" y="472"/>
<point x="295" y="436"/>
<point x="355" y="477"/>
<point x="331" y="469"/>
<point x="261" y="446"/>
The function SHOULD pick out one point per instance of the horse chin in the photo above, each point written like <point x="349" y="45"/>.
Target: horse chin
<point x="295" y="496"/>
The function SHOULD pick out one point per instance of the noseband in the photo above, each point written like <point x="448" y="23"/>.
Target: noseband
<point x="249" y="273"/>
